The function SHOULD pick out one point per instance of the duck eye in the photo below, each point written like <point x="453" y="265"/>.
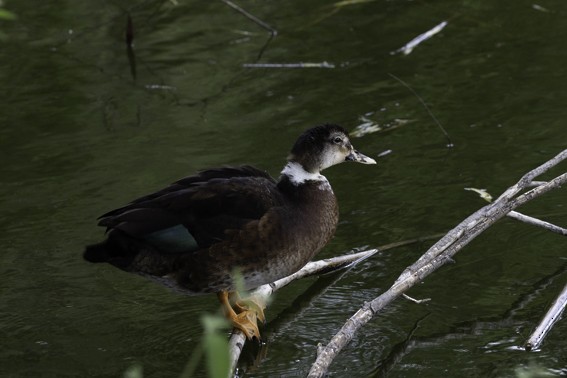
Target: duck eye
<point x="337" y="140"/>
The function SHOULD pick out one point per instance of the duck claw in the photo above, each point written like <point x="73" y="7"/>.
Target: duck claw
<point x="253" y="305"/>
<point x="244" y="314"/>
<point x="247" y="322"/>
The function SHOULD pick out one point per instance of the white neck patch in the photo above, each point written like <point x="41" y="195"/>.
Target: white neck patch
<point x="297" y="175"/>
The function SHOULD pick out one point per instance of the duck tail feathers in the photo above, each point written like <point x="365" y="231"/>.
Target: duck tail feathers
<point x="109" y="251"/>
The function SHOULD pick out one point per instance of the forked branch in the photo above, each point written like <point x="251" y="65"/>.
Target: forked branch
<point x="439" y="254"/>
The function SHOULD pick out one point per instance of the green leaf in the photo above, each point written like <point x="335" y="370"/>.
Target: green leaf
<point x="238" y="282"/>
<point x="7" y="15"/>
<point x="191" y="365"/>
<point x="216" y="350"/>
<point x="213" y="323"/>
<point x="215" y="346"/>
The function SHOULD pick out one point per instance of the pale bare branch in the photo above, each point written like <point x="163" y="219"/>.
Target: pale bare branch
<point x="237" y="339"/>
<point x="552" y="315"/>
<point x="438" y="255"/>
<point x="537" y="222"/>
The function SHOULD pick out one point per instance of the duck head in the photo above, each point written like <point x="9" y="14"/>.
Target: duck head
<point x="324" y="146"/>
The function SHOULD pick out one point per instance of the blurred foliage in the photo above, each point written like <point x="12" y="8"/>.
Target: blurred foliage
<point x="214" y="346"/>
<point x="134" y="371"/>
<point x="5" y="15"/>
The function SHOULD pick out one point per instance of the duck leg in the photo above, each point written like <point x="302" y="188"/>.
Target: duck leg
<point x="248" y="304"/>
<point x="245" y="320"/>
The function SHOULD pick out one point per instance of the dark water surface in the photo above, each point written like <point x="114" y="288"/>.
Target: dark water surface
<point x="82" y="133"/>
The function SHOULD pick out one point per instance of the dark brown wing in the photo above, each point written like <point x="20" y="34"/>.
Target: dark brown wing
<point x="196" y="211"/>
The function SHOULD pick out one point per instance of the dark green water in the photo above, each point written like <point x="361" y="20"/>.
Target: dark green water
<point x="80" y="135"/>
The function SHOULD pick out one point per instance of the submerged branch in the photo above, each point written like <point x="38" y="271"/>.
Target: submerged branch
<point x="550" y="318"/>
<point x="440" y="253"/>
<point x="289" y="65"/>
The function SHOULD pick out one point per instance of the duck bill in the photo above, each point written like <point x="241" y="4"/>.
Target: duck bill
<point x="359" y="158"/>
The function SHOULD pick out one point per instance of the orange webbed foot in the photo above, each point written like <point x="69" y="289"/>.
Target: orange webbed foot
<point x="247" y="313"/>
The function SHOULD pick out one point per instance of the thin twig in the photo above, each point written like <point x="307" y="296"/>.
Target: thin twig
<point x="440" y="253"/>
<point x="250" y="16"/>
<point x="537" y="222"/>
<point x="417" y="301"/>
<point x="273" y="32"/>
<point x="449" y="142"/>
<point x="552" y="316"/>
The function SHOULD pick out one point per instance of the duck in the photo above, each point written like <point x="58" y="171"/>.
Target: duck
<point x="232" y="228"/>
